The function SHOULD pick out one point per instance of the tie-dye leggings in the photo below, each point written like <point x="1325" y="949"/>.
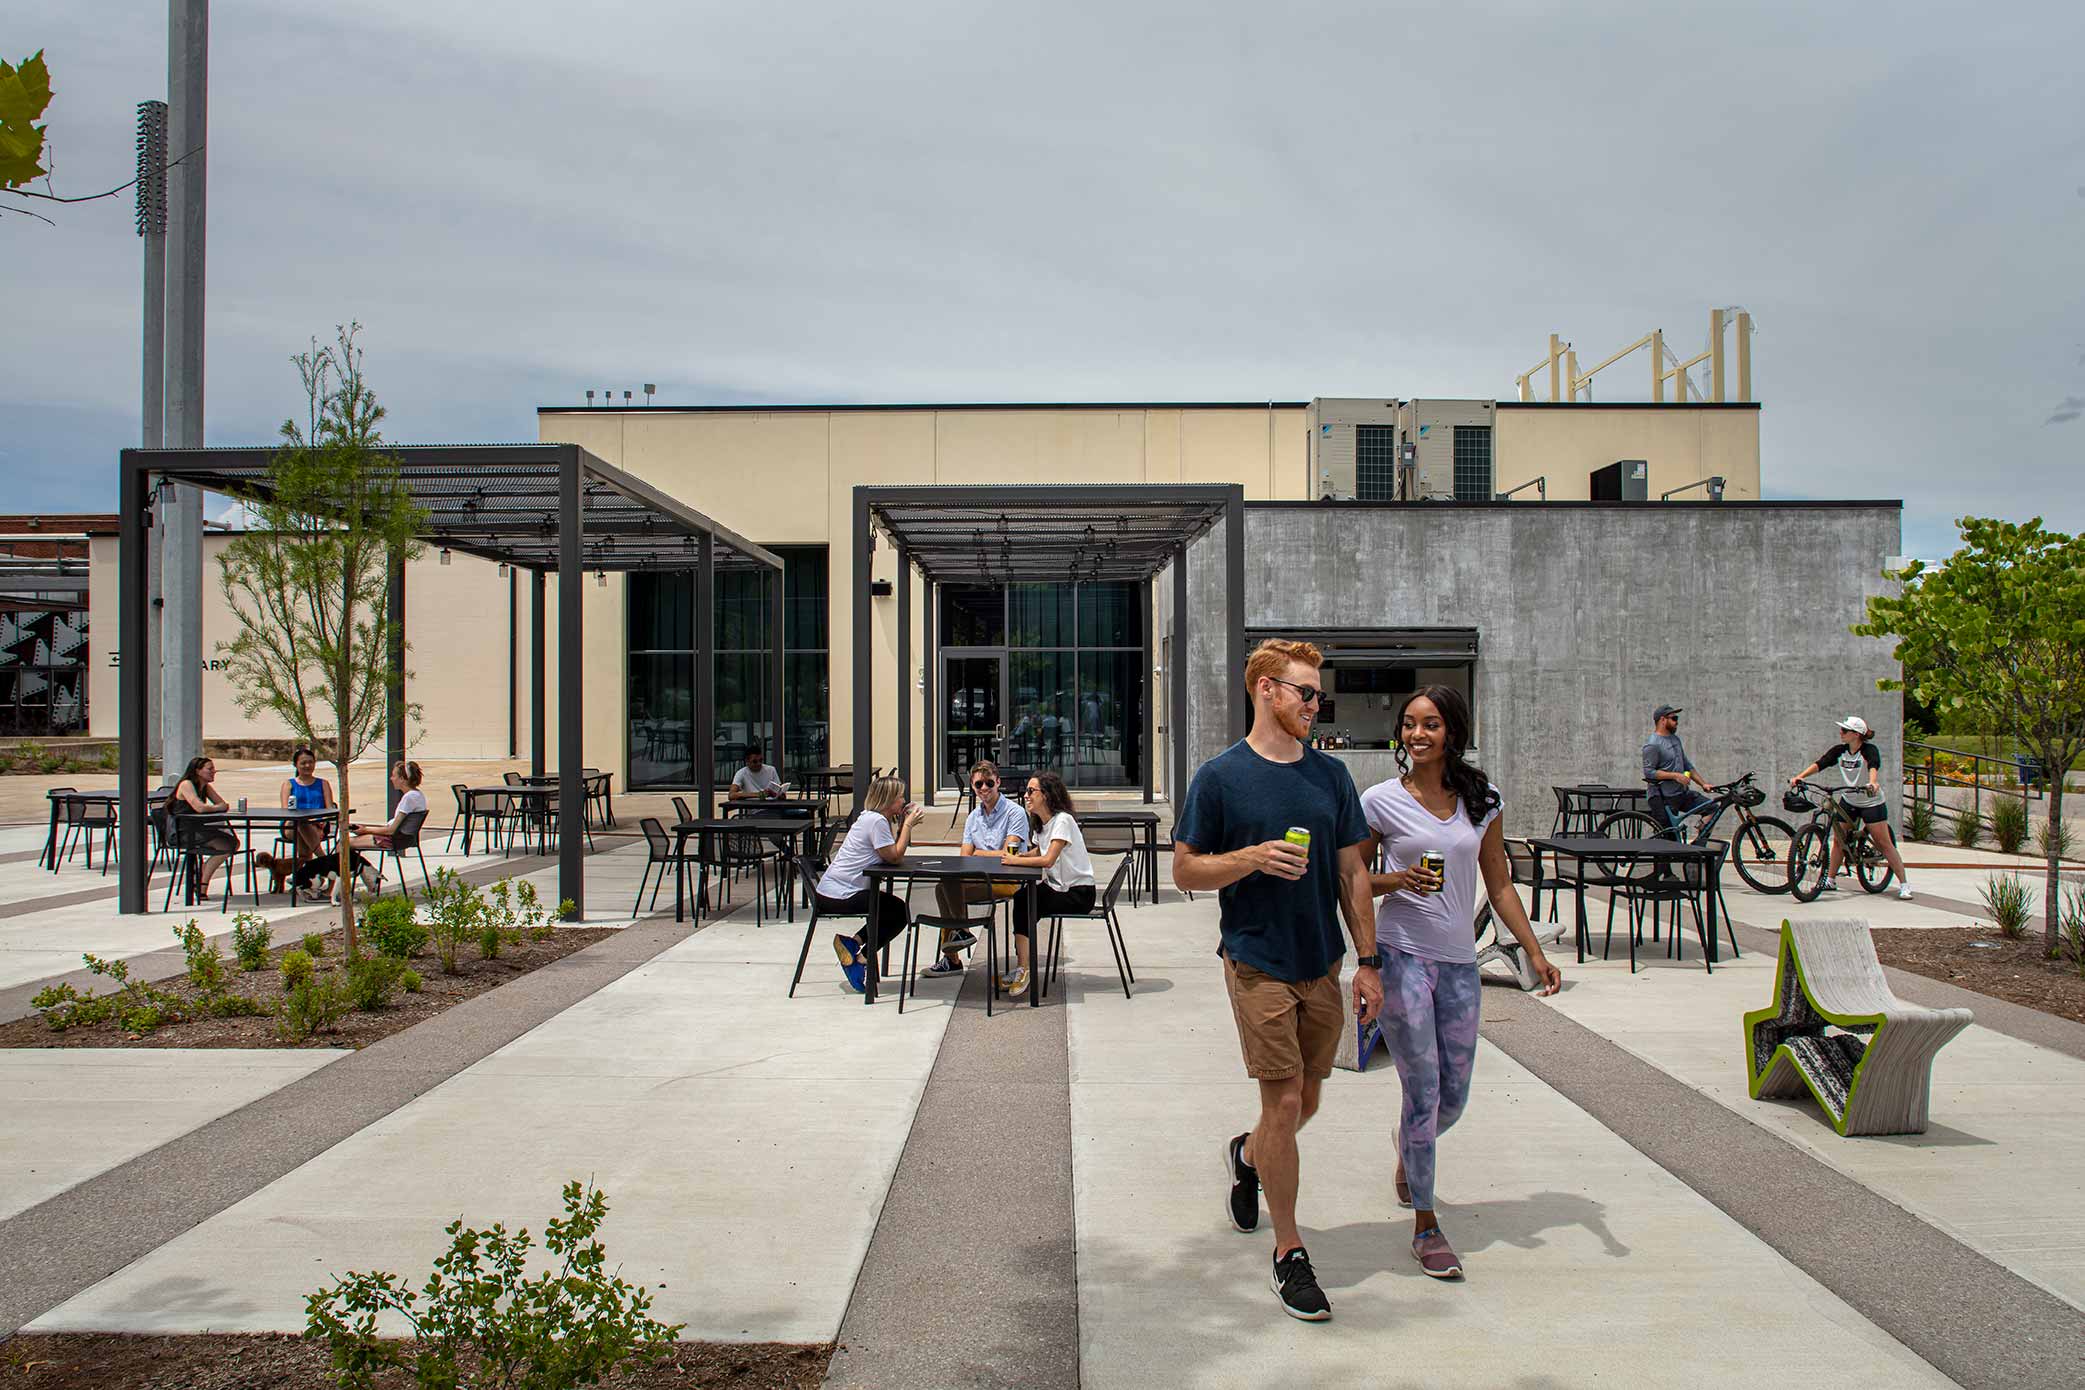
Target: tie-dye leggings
<point x="1430" y="1023"/>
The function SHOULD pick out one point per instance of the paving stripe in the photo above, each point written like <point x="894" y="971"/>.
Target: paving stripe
<point x="972" y="1276"/>
<point x="59" y="1247"/>
<point x="57" y="900"/>
<point x="1974" y="1320"/>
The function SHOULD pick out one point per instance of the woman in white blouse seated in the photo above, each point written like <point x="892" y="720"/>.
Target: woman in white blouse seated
<point x="1067" y="881"/>
<point x="880" y="834"/>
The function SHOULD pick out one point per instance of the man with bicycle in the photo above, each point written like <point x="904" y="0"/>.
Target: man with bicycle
<point x="1676" y="789"/>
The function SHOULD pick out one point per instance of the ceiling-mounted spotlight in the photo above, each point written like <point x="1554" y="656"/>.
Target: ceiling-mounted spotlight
<point x="601" y="578"/>
<point x="445" y="554"/>
<point x="505" y="569"/>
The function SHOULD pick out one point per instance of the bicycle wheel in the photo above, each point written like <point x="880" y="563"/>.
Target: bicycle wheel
<point x="1633" y="825"/>
<point x="1874" y="870"/>
<point x="1809" y="862"/>
<point x="1759" y="852"/>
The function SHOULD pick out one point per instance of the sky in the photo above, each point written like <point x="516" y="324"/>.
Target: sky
<point x="1131" y="201"/>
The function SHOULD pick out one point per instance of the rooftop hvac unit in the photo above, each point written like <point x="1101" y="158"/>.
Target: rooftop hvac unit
<point x="1625" y="480"/>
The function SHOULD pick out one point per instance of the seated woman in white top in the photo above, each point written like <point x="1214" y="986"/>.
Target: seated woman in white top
<point x="1067" y="882"/>
<point x="405" y="777"/>
<point x="880" y="834"/>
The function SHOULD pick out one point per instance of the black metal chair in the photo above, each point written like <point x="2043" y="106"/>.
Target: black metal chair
<point x="1525" y="862"/>
<point x="81" y="820"/>
<point x="808" y="874"/>
<point x="1103" y="910"/>
<point x="660" y="855"/>
<point x="405" y="837"/>
<point x="189" y="839"/>
<point x="463" y="813"/>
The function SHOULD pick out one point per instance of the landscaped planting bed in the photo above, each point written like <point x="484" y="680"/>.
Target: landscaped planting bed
<point x="1981" y="959"/>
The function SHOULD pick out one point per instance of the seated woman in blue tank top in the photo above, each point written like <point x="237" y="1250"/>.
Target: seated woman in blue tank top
<point x="302" y="790"/>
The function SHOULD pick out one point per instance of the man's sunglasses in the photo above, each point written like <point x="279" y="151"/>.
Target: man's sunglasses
<point x="1308" y="694"/>
<point x="984" y="784"/>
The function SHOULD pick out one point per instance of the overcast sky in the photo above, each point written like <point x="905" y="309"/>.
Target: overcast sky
<point x="965" y="201"/>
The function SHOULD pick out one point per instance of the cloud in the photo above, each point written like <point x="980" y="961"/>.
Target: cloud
<point x="2067" y="410"/>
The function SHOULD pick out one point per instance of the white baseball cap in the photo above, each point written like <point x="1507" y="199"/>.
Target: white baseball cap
<point x="1855" y="723"/>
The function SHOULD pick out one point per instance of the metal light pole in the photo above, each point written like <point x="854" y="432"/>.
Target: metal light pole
<point x="180" y="517"/>
<point x="152" y="228"/>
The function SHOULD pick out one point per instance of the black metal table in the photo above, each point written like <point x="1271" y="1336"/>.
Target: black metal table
<point x="811" y="806"/>
<point x="59" y="800"/>
<point x="249" y="817"/>
<point x="1579" y="848"/>
<point x="819" y="780"/>
<point x="1580" y="819"/>
<point x="536" y="798"/>
<point x="940" y="868"/>
<point x="1145" y="824"/>
<point x="779" y="829"/>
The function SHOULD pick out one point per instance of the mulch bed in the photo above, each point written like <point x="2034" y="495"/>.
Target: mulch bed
<point x="106" y="1361"/>
<point x="1978" y="958"/>
<point x="437" y="993"/>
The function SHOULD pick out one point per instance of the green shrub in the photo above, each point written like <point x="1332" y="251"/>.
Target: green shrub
<point x="2071" y="921"/>
<point x="205" y="966"/>
<point x="370" y="980"/>
<point x="390" y="928"/>
<point x="1968" y="830"/>
<point x="316" y="1005"/>
<point x="409" y="981"/>
<point x="1918" y="820"/>
<point x="251" y="938"/>
<point x="542" y="931"/>
<point x="2052" y="837"/>
<point x="314" y="944"/>
<point x="489" y="942"/>
<point x="296" y="968"/>
<point x="455" y="915"/>
<point x="135" y="1005"/>
<point x="2006" y="900"/>
<point x="2009" y="824"/>
<point x="572" y="1325"/>
<point x="230" y="1005"/>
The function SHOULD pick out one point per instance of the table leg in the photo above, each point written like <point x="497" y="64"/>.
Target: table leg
<point x="680" y="874"/>
<point x="1579" y="880"/>
<point x="1715" y="893"/>
<point x="1035" y="960"/>
<point x="50" y="843"/>
<point x="870" y="935"/>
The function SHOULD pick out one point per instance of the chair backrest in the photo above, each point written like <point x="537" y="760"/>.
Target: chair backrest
<point x="407" y="835"/>
<point x="462" y="801"/>
<point x="655" y="839"/>
<point x="1121" y="876"/>
<point x="1520" y="860"/>
<point x="809" y="873"/>
<point x="512" y="779"/>
<point x="680" y="808"/>
<point x="1108" y="839"/>
<point x="590" y="772"/>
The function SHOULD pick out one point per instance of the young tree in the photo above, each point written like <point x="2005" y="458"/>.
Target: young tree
<point x="309" y="579"/>
<point x="1998" y="632"/>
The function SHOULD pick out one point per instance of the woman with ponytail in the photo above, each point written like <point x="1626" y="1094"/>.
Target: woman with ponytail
<point x="1426" y="933"/>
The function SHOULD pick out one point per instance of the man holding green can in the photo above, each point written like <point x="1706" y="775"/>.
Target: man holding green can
<point x="1275" y="829"/>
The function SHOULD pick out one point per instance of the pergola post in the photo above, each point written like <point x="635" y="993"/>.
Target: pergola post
<point x="535" y="673"/>
<point x="1150" y="684"/>
<point x="133" y="669"/>
<point x="394" y="683"/>
<point x="930" y="616"/>
<point x="778" y="740"/>
<point x="864" y="701"/>
<point x="571" y="638"/>
<point x="1234" y="610"/>
<point x="703" y="739"/>
<point x="1176" y="672"/>
<point x="904" y="669"/>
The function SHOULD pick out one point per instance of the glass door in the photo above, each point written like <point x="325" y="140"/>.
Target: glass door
<point x="973" y="715"/>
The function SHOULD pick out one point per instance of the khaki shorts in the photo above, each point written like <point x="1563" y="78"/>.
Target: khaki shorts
<point x="1285" y="1029"/>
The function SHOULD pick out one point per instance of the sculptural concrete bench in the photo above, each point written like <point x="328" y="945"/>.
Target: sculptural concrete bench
<point x="1836" y="1031"/>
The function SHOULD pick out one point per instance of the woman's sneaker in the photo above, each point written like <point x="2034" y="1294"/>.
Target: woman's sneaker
<point x="1436" y="1256"/>
<point x="851" y="966"/>
<point x="1015" y="984"/>
<point x="1904" y="889"/>
<point x="1296" y="1284"/>
<point x="942" y="968"/>
<point x="959" y="941"/>
<point x="1242" y="1206"/>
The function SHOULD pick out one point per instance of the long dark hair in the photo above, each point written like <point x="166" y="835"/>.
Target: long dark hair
<point x="1056" y="796"/>
<point x="195" y="765"/>
<point x="1479" y="798"/>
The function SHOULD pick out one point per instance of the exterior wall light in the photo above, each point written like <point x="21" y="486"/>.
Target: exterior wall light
<point x="601" y="578"/>
<point x="445" y="554"/>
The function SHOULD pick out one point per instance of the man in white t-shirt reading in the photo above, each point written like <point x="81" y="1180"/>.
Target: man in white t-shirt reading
<point x="756" y="778"/>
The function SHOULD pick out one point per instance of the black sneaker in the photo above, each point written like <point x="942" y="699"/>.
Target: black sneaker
<point x="1243" y="1206"/>
<point x="959" y="941"/>
<point x="1297" y="1285"/>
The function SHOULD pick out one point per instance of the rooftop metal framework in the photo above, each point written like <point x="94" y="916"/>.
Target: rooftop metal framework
<point x="550" y="509"/>
<point x="1047" y="533"/>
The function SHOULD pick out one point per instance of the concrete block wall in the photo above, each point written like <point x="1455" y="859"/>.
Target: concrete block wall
<point x="1588" y="616"/>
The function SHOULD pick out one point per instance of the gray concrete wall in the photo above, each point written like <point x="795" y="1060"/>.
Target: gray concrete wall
<point x="1210" y="684"/>
<point x="1588" y="616"/>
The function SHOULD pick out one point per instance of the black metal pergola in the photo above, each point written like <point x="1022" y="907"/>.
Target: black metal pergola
<point x="1042" y="533"/>
<point x="550" y="509"/>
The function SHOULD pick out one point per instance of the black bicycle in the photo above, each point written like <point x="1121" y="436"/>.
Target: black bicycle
<point x="1810" y="852"/>
<point x="1759" y="845"/>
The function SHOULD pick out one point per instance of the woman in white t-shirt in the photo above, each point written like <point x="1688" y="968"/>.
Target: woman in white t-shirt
<point x="1067" y="881"/>
<point x="406" y="778"/>
<point x="879" y="835"/>
<point x="1426" y="934"/>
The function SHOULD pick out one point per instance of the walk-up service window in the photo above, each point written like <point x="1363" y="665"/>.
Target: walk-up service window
<point x="1368" y="673"/>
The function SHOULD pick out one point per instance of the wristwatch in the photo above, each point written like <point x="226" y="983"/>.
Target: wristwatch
<point x="1372" y="962"/>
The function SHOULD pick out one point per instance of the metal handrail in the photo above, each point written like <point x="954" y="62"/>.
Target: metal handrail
<point x="1929" y="775"/>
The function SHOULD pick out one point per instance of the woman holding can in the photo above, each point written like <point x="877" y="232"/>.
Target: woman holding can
<point x="1438" y="828"/>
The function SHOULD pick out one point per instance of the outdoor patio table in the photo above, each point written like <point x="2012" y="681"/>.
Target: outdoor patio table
<point x="537" y="797"/>
<point x="1145" y="823"/>
<point x="1578" y="849"/>
<point x="818" y="781"/>
<point x="1577" y="815"/>
<point x="780" y="829"/>
<point x="938" y="868"/>
<point x="59" y="799"/>
<point x="773" y="806"/>
<point x="278" y="817"/>
<point x="596" y="786"/>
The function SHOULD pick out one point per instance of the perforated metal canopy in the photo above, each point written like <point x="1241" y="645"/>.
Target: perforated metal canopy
<point x="1045" y="533"/>
<point x="502" y="502"/>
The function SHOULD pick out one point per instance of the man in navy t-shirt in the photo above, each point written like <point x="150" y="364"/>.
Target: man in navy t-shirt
<point x="1282" y="946"/>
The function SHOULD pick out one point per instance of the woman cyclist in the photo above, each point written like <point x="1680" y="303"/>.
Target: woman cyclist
<point x="1853" y="755"/>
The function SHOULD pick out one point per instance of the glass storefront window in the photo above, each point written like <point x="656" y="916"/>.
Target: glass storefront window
<point x="973" y="615"/>
<point x="1111" y="615"/>
<point x="1110" y="719"/>
<point x="1041" y="615"/>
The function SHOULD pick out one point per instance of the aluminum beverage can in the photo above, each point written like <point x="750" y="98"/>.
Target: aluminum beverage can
<point x="242" y="805"/>
<point x="1435" y="863"/>
<point x="1299" y="837"/>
